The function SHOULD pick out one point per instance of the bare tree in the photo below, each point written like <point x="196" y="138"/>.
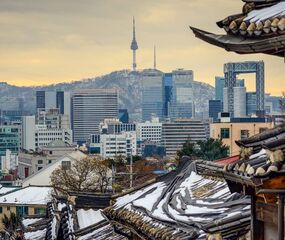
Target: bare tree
<point x="84" y="175"/>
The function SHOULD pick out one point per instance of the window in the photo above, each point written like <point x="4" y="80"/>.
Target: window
<point x="66" y="165"/>
<point x="244" y="134"/>
<point x="262" y="130"/>
<point x="8" y="208"/>
<point x="39" y="211"/>
<point x="22" y="211"/>
<point x="49" y="161"/>
<point x="40" y="161"/>
<point x="225" y="133"/>
<point x="1" y="210"/>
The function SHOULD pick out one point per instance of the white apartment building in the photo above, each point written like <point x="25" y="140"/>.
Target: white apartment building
<point x="123" y="144"/>
<point x="149" y="130"/>
<point x="38" y="135"/>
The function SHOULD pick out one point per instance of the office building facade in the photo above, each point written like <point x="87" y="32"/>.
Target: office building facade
<point x="10" y="139"/>
<point x="149" y="131"/>
<point x="182" y="100"/>
<point x="176" y="133"/>
<point x="152" y="94"/>
<point x="237" y="129"/>
<point x="89" y="108"/>
<point x="46" y="100"/>
<point x="215" y="107"/>
<point x="115" y="126"/>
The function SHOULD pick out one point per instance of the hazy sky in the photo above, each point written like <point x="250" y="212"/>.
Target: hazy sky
<point x="50" y="41"/>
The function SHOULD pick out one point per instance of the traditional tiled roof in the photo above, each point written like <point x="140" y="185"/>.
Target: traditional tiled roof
<point x="183" y="205"/>
<point x="262" y="156"/>
<point x="260" y="28"/>
<point x="66" y="219"/>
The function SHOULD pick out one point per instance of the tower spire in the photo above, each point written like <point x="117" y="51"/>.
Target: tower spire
<point x="134" y="45"/>
<point x="154" y="57"/>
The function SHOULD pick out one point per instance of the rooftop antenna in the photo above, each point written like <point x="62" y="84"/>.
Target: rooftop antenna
<point x="154" y="57"/>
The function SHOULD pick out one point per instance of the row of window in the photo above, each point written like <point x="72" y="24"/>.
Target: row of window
<point x="244" y="133"/>
<point x="24" y="210"/>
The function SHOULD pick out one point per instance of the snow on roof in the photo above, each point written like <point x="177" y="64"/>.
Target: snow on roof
<point x="4" y="190"/>
<point x="277" y="10"/>
<point x="32" y="195"/>
<point x="200" y="202"/>
<point x="29" y="221"/>
<point x="37" y="235"/>
<point x="89" y="217"/>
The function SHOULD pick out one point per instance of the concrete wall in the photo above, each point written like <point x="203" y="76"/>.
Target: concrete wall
<point x="235" y="132"/>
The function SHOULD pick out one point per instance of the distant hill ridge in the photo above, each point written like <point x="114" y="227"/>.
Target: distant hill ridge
<point x="128" y="83"/>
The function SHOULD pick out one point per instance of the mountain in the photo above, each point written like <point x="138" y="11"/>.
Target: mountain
<point x="128" y="83"/>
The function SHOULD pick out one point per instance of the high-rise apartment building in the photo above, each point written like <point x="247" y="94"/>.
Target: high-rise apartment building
<point x="152" y="94"/>
<point x="176" y="133"/>
<point x="89" y="108"/>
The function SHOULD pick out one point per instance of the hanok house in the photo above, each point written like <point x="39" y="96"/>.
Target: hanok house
<point x="192" y="202"/>
<point x="261" y="174"/>
<point x="188" y="203"/>
<point x="24" y="202"/>
<point x="259" y="28"/>
<point x="76" y="216"/>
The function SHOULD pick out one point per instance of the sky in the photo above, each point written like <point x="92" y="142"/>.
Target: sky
<point x="45" y="42"/>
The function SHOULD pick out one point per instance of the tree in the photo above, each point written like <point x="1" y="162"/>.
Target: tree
<point x="188" y="149"/>
<point x="11" y="223"/>
<point x="84" y="175"/>
<point x="211" y="149"/>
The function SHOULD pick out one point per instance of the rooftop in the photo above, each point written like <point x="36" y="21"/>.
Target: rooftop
<point x="31" y="195"/>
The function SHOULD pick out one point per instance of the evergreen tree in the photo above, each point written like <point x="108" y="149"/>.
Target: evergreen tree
<point x="210" y="150"/>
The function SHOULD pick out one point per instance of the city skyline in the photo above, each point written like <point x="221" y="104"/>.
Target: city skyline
<point x="61" y="41"/>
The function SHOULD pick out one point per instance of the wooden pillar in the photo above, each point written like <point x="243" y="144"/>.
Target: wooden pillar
<point x="256" y="226"/>
<point x="281" y="217"/>
<point x="253" y="217"/>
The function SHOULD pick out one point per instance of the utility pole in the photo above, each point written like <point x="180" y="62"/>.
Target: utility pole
<point x="131" y="170"/>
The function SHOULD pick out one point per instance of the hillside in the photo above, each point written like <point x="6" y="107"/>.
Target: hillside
<point x="129" y="86"/>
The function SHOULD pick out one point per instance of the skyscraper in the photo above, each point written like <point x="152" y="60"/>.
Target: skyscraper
<point x="250" y="103"/>
<point x="168" y="86"/>
<point x="239" y="102"/>
<point x="181" y="104"/>
<point x="215" y="107"/>
<point x="134" y="46"/>
<point x="220" y="84"/>
<point x="46" y="100"/>
<point x="89" y="108"/>
<point x="231" y="70"/>
<point x="152" y="94"/>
